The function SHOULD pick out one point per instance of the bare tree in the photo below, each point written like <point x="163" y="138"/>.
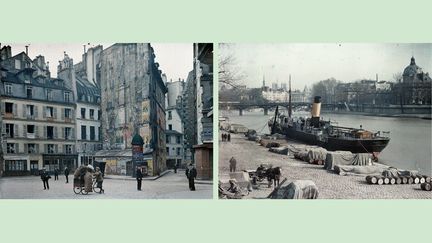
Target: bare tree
<point x="229" y="73"/>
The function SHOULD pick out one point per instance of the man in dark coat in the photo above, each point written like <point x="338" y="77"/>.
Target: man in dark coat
<point x="56" y="172"/>
<point x="229" y="137"/>
<point x="45" y="177"/>
<point x="191" y="174"/>
<point x="232" y="164"/>
<point x="139" y="176"/>
<point x="66" y="173"/>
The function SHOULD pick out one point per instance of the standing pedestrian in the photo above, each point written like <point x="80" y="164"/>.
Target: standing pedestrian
<point x="175" y="167"/>
<point x="66" y="173"/>
<point x="191" y="174"/>
<point x="56" y="172"/>
<point x="99" y="179"/>
<point x="139" y="176"/>
<point x="45" y="177"/>
<point x="233" y="163"/>
<point x="229" y="137"/>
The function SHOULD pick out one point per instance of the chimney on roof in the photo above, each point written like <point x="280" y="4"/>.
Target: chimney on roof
<point x="84" y="48"/>
<point x="26" y="47"/>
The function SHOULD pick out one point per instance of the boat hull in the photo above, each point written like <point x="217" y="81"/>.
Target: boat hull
<point x="374" y="145"/>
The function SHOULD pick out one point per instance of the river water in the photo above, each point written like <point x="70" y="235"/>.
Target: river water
<point x="410" y="138"/>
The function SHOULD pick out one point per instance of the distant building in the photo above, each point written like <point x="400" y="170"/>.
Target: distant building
<point x="284" y="86"/>
<point x="174" y="125"/>
<point x="275" y="95"/>
<point x="274" y="86"/>
<point x="416" y="85"/>
<point x="38" y="125"/>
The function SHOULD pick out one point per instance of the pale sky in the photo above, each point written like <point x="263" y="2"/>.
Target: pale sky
<point x="311" y="62"/>
<point x="175" y="60"/>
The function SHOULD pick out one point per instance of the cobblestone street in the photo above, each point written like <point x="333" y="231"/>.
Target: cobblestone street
<point x="250" y="155"/>
<point x="169" y="186"/>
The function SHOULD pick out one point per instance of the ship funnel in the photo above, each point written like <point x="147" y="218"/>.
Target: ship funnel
<point x="316" y="110"/>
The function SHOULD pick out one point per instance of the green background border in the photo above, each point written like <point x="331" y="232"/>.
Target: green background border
<point x="212" y="220"/>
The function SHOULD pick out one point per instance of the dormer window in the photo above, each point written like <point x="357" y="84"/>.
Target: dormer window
<point x="8" y="89"/>
<point x="49" y="94"/>
<point x="67" y="96"/>
<point x="29" y="92"/>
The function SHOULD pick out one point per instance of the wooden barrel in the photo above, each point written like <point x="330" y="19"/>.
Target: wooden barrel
<point x="427" y="179"/>
<point x="371" y="179"/>
<point x="380" y="180"/>
<point x="392" y="180"/>
<point x="426" y="186"/>
<point x="410" y="180"/>
<point x="416" y="180"/>
<point x="398" y="180"/>
<point x="422" y="179"/>
<point x="404" y="179"/>
<point x="386" y="180"/>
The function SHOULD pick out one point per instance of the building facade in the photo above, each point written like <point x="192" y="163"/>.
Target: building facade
<point x="416" y="85"/>
<point x="38" y="114"/>
<point x="133" y="101"/>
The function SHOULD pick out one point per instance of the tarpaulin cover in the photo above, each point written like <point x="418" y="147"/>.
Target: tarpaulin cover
<point x="315" y="154"/>
<point x="359" y="170"/>
<point x="299" y="189"/>
<point x="279" y="150"/>
<point x="346" y="158"/>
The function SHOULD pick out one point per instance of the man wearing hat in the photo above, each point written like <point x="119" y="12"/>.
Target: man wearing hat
<point x="191" y="174"/>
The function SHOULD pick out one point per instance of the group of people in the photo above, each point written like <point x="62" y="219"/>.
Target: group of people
<point x="226" y="137"/>
<point x="45" y="176"/>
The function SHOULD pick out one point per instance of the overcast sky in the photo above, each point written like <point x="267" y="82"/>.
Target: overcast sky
<point x="311" y="62"/>
<point x="175" y="60"/>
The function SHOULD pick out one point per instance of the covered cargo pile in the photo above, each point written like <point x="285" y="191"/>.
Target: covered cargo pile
<point x="299" y="189"/>
<point x="346" y="158"/>
<point x="279" y="150"/>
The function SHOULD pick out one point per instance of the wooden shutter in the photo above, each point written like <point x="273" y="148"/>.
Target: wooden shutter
<point x="3" y="108"/>
<point x="72" y="135"/>
<point x="44" y="111"/>
<point x="36" y="108"/>
<point x="62" y="115"/>
<point x="36" y="131"/>
<point x="56" y="148"/>
<point x="55" y="133"/>
<point x="25" y="131"/>
<point x="46" y="148"/>
<point x="24" y="110"/>
<point x="63" y="129"/>
<point x="15" y="128"/>
<point x="45" y="134"/>
<point x="26" y="148"/>
<point x="55" y="113"/>
<point x="15" y="109"/>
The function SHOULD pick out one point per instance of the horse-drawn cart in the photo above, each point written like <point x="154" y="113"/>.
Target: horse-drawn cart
<point x="264" y="171"/>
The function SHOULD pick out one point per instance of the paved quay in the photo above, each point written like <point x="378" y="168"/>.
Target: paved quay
<point x="169" y="186"/>
<point x="250" y="155"/>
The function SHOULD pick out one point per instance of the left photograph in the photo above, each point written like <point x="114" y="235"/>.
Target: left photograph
<point x="106" y="121"/>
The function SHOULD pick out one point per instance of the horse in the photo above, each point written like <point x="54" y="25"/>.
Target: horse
<point x="273" y="174"/>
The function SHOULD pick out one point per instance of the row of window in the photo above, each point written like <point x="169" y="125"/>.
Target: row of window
<point x="178" y="151"/>
<point x="32" y="148"/>
<point x="31" y="111"/>
<point x="91" y="114"/>
<point x="178" y="139"/>
<point x="48" y="93"/>
<point x="50" y="132"/>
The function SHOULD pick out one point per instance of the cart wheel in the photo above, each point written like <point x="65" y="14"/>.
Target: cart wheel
<point x="77" y="190"/>
<point x="83" y="191"/>
<point x="96" y="189"/>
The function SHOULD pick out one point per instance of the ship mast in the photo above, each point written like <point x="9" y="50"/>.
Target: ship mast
<point x="289" y="101"/>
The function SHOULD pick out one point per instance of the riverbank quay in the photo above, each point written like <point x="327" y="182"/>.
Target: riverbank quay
<point x="249" y="155"/>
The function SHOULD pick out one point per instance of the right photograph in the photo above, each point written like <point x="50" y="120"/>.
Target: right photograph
<point x="325" y="121"/>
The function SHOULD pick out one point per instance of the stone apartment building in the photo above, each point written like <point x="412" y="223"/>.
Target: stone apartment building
<point x="88" y="99"/>
<point x="203" y="69"/>
<point x="174" y="125"/>
<point x="133" y="102"/>
<point x="38" y="121"/>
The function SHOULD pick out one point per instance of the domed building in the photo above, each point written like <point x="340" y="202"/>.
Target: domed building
<point x="416" y="85"/>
